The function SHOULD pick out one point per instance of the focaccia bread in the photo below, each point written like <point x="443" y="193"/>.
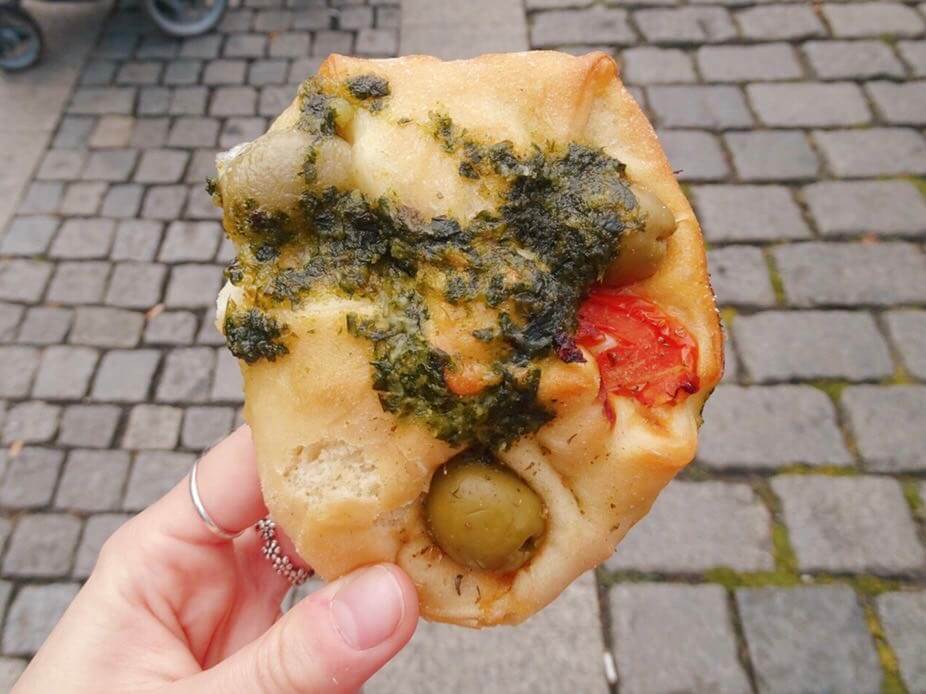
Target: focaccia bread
<point x="474" y="321"/>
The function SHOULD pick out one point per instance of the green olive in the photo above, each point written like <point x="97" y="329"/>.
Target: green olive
<point x="641" y="250"/>
<point x="483" y="515"/>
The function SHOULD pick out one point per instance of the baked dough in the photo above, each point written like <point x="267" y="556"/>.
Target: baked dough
<point x="345" y="478"/>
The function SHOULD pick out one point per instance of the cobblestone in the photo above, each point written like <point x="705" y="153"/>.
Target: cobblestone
<point x="17" y="368"/>
<point x="867" y="207"/>
<point x="914" y="52"/>
<point x="190" y="241"/>
<point x="92" y="480"/>
<point x="714" y="107"/>
<point x="698" y="526"/>
<point x="31" y="422"/>
<point x="772" y="155"/>
<point x="64" y="373"/>
<point x="779" y="22"/>
<point x="904" y="618"/>
<point x="10" y="317"/>
<point x="136" y="239"/>
<point x="187" y="375"/>
<point x="206" y="426"/>
<point x="873" y="151"/>
<point x="650" y="65"/>
<point x="153" y="475"/>
<point x="97" y="530"/>
<point x="849" y="524"/>
<point x="809" y="104"/>
<point x="35" y="610"/>
<point x="89" y="426"/>
<point x="592" y="25"/>
<point x="28" y="235"/>
<point x="646" y="617"/>
<point x="122" y="201"/>
<point x="852" y="59"/>
<point x="125" y="376"/>
<point x="152" y="427"/>
<point x="899" y="104"/>
<point x="136" y="285"/>
<point x="695" y="154"/>
<point x="739" y="276"/>
<point x="872" y="19"/>
<point x="30" y="477"/>
<point x="748" y="213"/>
<point x="808" y="639"/>
<point x="42" y="545"/>
<point x="171" y="328"/>
<point x="46" y="325"/>
<point x="23" y="280"/>
<point x="685" y="25"/>
<point x="785" y="345"/>
<point x="908" y="332"/>
<point x="889" y="424"/>
<point x="193" y="286"/>
<point x="767" y="427"/>
<point x="510" y="659"/>
<point x="82" y="198"/>
<point x="106" y="327"/>
<point x="769" y="61"/>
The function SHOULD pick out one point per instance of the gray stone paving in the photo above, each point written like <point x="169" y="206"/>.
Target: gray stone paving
<point x="797" y="130"/>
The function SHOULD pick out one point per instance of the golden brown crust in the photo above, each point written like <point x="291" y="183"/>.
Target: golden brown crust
<point x="344" y="479"/>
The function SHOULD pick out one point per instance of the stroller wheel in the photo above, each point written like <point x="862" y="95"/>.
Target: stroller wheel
<point x="20" y="39"/>
<point x="185" y="17"/>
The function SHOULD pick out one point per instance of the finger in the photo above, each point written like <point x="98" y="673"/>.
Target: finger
<point x="332" y="641"/>
<point x="229" y="490"/>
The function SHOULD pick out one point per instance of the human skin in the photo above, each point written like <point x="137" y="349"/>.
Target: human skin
<point x="172" y="608"/>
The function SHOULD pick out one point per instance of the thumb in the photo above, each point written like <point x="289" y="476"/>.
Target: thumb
<point x="332" y="641"/>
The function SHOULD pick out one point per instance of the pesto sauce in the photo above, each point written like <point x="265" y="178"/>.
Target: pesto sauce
<point x="554" y="232"/>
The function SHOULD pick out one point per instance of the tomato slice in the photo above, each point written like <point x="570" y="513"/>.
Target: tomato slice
<point x="641" y="352"/>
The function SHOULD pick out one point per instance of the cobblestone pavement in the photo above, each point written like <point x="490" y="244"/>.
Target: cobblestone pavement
<point x="790" y="557"/>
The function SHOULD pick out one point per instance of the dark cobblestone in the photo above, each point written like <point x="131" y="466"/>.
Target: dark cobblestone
<point x="858" y="524"/>
<point x="770" y="61"/>
<point x="808" y="639"/>
<point x="714" y="107"/>
<point x="30" y="477"/>
<point x="31" y="422"/>
<point x="46" y="325"/>
<point x="904" y="618"/>
<point x="748" y="213"/>
<point x="867" y="207"/>
<point x="779" y="22"/>
<point x="89" y="426"/>
<point x="889" y="424"/>
<point x="698" y="526"/>
<point x="908" y="332"/>
<point x="786" y="345"/>
<point x="767" y="427"/>
<point x="647" y="616"/>
<point x="852" y="59"/>
<point x="873" y="152"/>
<point x="772" y="155"/>
<point x="92" y="480"/>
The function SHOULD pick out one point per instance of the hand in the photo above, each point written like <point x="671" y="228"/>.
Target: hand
<point x="172" y="608"/>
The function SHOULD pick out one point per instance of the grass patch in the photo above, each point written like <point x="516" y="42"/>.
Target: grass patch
<point x="900" y="377"/>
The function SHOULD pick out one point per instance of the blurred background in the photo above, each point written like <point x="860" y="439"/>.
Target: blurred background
<point x="789" y="557"/>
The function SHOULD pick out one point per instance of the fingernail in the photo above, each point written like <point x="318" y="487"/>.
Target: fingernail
<point x="367" y="610"/>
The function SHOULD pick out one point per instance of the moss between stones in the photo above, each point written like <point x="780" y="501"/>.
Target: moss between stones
<point x="727" y="315"/>
<point x="833" y="388"/>
<point x="912" y="494"/>
<point x="891" y="682"/>
<point x="828" y="470"/>
<point x="900" y="377"/>
<point x="920" y="183"/>
<point x="778" y="285"/>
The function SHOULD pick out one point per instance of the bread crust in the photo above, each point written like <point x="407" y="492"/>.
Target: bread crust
<point x="345" y="479"/>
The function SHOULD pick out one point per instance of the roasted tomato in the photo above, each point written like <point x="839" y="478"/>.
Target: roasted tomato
<point x="640" y="350"/>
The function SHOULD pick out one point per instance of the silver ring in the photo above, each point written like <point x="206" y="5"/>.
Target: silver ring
<point x="282" y="564"/>
<point x="203" y="513"/>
